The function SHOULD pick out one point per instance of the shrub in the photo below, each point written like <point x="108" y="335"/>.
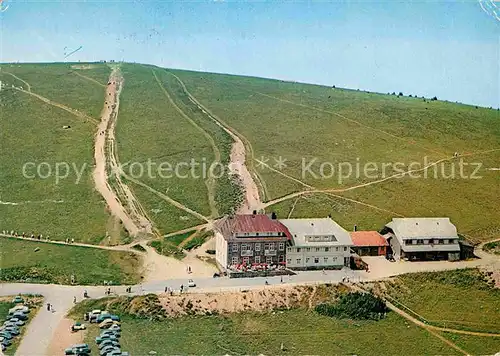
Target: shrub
<point x="355" y="306"/>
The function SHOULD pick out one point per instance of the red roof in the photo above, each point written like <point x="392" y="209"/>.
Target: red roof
<point x="367" y="238"/>
<point x="260" y="223"/>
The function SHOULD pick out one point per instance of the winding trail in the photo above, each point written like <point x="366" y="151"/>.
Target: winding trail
<point x="373" y="182"/>
<point x="238" y="156"/>
<point x="210" y="182"/>
<point x="61" y="106"/>
<point x="89" y="79"/>
<point x="351" y="120"/>
<point x="22" y="80"/>
<point x="167" y="198"/>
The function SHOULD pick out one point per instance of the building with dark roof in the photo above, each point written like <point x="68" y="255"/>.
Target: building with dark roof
<point x="250" y="240"/>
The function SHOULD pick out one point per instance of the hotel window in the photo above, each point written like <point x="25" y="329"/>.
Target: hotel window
<point x="281" y="246"/>
<point x="244" y="247"/>
<point x="288" y="249"/>
<point x="257" y="246"/>
<point x="299" y="261"/>
<point x="298" y="249"/>
<point x="257" y="259"/>
<point x="325" y="259"/>
<point x="269" y="260"/>
<point x="289" y="261"/>
<point x="327" y="249"/>
<point x="246" y="260"/>
<point x="281" y="258"/>
<point x="269" y="246"/>
<point x="307" y="259"/>
<point x="420" y="242"/>
<point x="234" y="260"/>
<point x="317" y="249"/>
<point x="316" y="260"/>
<point x="337" y="249"/>
<point x="308" y="249"/>
<point x="235" y="247"/>
<point x="345" y="249"/>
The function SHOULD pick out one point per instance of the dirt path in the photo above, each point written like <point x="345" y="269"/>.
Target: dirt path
<point x="167" y="198"/>
<point x="89" y="79"/>
<point x="378" y="181"/>
<point x="22" y="80"/>
<point x="100" y="175"/>
<point x="136" y="211"/>
<point x="61" y="106"/>
<point x="210" y="182"/>
<point x="126" y="248"/>
<point x="351" y="120"/>
<point x="238" y="156"/>
<point x="160" y="268"/>
<point x="64" y="338"/>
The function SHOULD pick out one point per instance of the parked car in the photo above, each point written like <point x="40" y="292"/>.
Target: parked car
<point x="6" y="342"/>
<point x="6" y="335"/>
<point x="111" y="336"/>
<point x="108" y="342"/>
<point x="18" y="299"/>
<point x="191" y="283"/>
<point x="14" y="330"/>
<point x="104" y="351"/>
<point x="20" y="316"/>
<point x="102" y="317"/>
<point x="19" y="308"/>
<point x="78" y="326"/>
<point x="115" y="327"/>
<point x="114" y="317"/>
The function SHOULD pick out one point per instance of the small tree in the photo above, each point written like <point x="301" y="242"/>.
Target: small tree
<point x="400" y="93"/>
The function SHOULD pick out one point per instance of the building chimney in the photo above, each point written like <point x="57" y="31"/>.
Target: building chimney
<point x="273" y="216"/>
<point x="254" y="212"/>
<point x="355" y="228"/>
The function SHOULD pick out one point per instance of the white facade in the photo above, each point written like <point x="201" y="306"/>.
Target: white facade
<point x="317" y="244"/>
<point x="320" y="256"/>
<point x="221" y="250"/>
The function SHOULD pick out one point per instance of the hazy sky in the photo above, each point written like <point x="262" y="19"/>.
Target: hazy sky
<point x="449" y="49"/>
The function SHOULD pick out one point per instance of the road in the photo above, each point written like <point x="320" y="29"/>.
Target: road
<point x="41" y="329"/>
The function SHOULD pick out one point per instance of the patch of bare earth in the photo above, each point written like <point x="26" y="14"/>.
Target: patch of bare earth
<point x="64" y="338"/>
<point x="286" y="297"/>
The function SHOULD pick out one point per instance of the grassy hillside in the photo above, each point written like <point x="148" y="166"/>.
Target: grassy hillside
<point x="65" y="83"/>
<point x="459" y="299"/>
<point x="159" y="124"/>
<point x="32" y="132"/>
<point x="331" y="126"/>
<point x="20" y="262"/>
